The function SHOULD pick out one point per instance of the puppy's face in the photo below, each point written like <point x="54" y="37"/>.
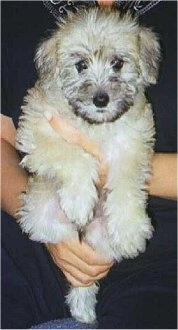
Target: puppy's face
<point x="100" y="61"/>
<point x="99" y="79"/>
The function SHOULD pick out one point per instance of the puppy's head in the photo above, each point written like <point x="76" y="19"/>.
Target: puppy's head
<point x="101" y="61"/>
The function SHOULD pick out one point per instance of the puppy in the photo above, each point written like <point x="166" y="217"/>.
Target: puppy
<point x="93" y="71"/>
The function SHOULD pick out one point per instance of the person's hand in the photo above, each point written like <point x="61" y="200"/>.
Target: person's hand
<point x="81" y="265"/>
<point x="72" y="135"/>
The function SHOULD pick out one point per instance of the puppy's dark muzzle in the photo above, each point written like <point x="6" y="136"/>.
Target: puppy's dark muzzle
<point x="101" y="99"/>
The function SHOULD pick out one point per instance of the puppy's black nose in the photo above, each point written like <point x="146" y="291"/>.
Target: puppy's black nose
<point x="101" y="99"/>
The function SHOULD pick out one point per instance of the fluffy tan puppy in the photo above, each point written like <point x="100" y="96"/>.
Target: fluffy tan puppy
<point x="93" y="71"/>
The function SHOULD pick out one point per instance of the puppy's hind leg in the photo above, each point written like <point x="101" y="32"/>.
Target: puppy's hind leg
<point x="82" y="301"/>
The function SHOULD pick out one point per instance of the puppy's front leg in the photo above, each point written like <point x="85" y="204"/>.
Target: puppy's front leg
<point x="127" y="222"/>
<point x="78" y="193"/>
<point x="74" y="171"/>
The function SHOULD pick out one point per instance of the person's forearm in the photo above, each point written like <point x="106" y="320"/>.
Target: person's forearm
<point x="13" y="178"/>
<point x="164" y="180"/>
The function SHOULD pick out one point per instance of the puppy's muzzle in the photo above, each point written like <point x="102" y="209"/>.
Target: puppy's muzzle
<point x="101" y="99"/>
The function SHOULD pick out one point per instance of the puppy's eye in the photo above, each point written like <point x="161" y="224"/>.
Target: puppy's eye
<point x="81" y="65"/>
<point x="117" y="64"/>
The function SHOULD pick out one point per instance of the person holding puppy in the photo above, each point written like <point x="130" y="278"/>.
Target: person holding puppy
<point x="83" y="266"/>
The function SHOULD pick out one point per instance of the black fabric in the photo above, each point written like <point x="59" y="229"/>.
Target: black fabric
<point x="32" y="287"/>
<point x="24" y="24"/>
<point x="138" y="293"/>
<point x="163" y="19"/>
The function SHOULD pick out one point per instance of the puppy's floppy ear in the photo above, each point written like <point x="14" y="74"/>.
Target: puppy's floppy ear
<point x="46" y="57"/>
<point x="149" y="55"/>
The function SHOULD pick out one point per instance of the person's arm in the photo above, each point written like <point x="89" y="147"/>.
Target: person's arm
<point x="163" y="182"/>
<point x="13" y="177"/>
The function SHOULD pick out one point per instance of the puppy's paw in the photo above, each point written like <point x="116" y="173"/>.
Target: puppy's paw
<point x="130" y="239"/>
<point x="78" y="204"/>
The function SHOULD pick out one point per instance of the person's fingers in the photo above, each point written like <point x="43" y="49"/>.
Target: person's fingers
<point x="73" y="136"/>
<point x="86" y="253"/>
<point x="63" y="127"/>
<point x="77" y="278"/>
<point x="72" y="280"/>
<point x="67" y="256"/>
<point x="81" y="265"/>
<point x="76" y="257"/>
<point x="82" y="271"/>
